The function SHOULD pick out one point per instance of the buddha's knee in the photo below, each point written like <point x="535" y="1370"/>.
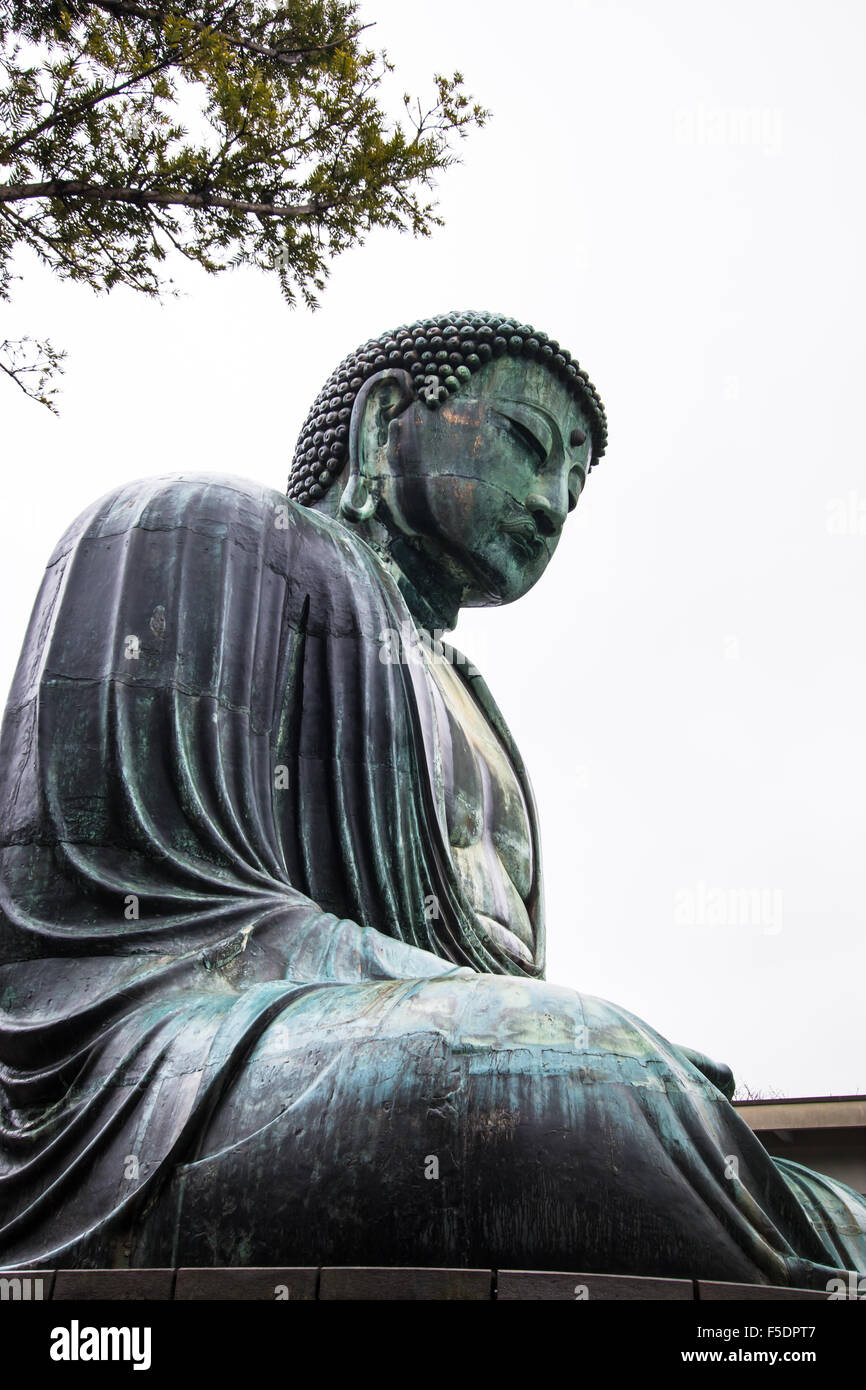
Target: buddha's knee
<point x="505" y="1012"/>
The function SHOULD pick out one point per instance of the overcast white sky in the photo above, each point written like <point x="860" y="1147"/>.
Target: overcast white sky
<point x="675" y="190"/>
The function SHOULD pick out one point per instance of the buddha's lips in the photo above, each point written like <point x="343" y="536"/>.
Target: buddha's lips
<point x="523" y="528"/>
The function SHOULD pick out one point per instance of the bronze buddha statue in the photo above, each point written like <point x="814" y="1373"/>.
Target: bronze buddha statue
<point x="272" y="916"/>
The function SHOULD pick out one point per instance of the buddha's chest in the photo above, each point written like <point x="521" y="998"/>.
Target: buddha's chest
<point x="482" y="810"/>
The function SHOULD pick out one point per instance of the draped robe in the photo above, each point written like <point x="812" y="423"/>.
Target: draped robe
<point x="244" y="1001"/>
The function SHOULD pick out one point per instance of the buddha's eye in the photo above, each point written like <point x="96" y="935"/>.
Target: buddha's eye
<point x="526" y="437"/>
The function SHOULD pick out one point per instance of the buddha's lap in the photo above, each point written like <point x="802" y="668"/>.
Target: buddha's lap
<point x="485" y="1052"/>
<point x="473" y="1119"/>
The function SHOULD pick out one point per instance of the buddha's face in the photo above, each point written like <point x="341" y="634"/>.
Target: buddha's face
<point x="483" y="485"/>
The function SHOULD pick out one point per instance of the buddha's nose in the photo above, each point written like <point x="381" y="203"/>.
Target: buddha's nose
<point x="548" y="519"/>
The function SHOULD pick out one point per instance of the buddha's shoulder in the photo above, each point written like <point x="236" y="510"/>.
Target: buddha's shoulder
<point x="214" y="504"/>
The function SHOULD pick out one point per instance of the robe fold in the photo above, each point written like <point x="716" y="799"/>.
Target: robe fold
<point x="243" y="996"/>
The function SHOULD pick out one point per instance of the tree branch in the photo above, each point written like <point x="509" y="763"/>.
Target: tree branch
<point x="76" y="109"/>
<point x="18" y="368"/>
<point x="142" y="197"/>
<point x="127" y="9"/>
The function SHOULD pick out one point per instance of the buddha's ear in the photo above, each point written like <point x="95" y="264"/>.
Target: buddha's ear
<point x="380" y="400"/>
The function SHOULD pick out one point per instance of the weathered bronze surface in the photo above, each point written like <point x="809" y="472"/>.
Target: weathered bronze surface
<point x="272" y="907"/>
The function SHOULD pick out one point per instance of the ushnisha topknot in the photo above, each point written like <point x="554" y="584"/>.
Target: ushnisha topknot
<point x="440" y="354"/>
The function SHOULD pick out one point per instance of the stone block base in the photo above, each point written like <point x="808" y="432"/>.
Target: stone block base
<point x="364" y="1283"/>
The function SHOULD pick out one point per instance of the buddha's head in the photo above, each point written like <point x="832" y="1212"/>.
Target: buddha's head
<point x="456" y="447"/>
